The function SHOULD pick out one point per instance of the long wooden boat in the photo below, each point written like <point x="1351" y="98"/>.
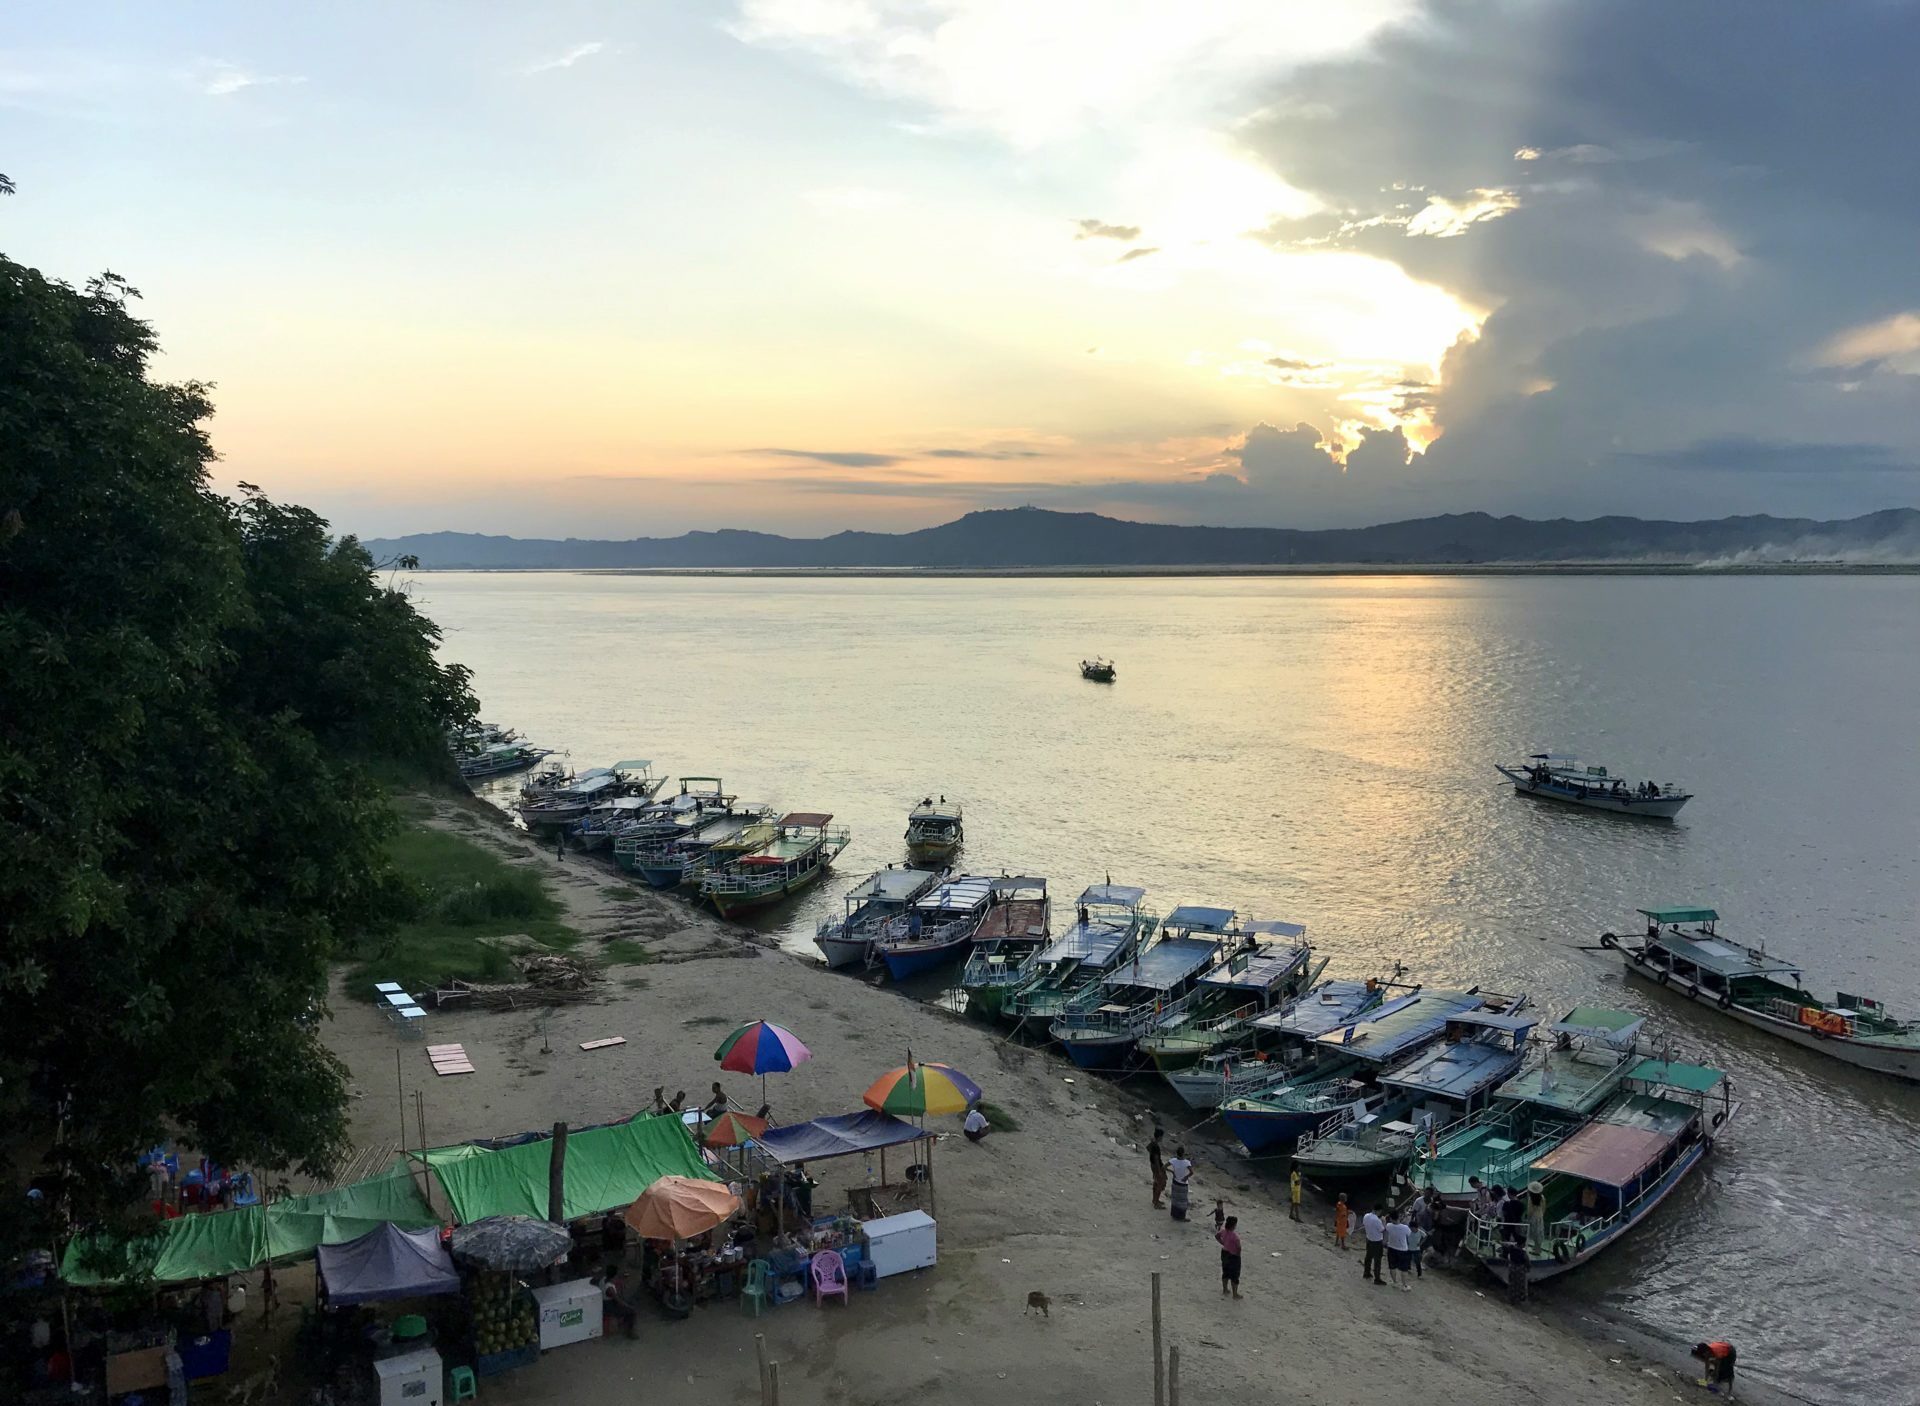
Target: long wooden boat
<point x="1099" y="1027"/>
<point x="1015" y="929"/>
<point x="1276" y="1046"/>
<point x="1266" y="967"/>
<point x="937" y="928"/>
<point x="846" y="939"/>
<point x="1109" y="924"/>
<point x="712" y="840"/>
<point x="934" y="830"/>
<point x="500" y="759"/>
<point x="1551" y="776"/>
<point x="1682" y="950"/>
<point x="804" y="846"/>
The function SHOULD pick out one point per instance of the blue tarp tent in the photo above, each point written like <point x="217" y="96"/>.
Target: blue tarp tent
<point x="387" y="1263"/>
<point x="836" y="1137"/>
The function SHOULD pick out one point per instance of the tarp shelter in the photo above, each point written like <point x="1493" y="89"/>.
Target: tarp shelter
<point x="230" y="1242"/>
<point x="838" y="1136"/>
<point x="606" y="1167"/>
<point x="388" y="1263"/>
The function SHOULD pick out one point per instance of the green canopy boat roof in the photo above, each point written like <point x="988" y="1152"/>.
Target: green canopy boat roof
<point x="1583" y="1020"/>
<point x="1680" y="915"/>
<point x="1694" y="1078"/>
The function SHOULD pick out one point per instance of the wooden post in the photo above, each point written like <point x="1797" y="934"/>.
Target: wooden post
<point x="773" y="1384"/>
<point x="400" y="1092"/>
<point x="1173" y="1376"/>
<point x="420" y="1119"/>
<point x="557" y="1176"/>
<point x="760" y="1346"/>
<point x="1159" y="1361"/>
<point x="933" y="1197"/>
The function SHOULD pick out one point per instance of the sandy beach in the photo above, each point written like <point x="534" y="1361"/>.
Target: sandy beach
<point x="1061" y="1205"/>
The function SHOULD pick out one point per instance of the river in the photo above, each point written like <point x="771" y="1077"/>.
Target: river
<point x="1320" y="749"/>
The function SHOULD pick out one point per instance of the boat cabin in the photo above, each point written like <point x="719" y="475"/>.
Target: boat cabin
<point x="1700" y="958"/>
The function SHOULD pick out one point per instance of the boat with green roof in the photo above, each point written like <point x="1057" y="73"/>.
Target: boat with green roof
<point x="803" y="847"/>
<point x="1682" y="950"/>
<point x="1613" y="1173"/>
<point x="1267" y="966"/>
<point x="1571" y="1074"/>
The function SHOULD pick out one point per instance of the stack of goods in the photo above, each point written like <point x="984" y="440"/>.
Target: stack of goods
<point x="506" y="1324"/>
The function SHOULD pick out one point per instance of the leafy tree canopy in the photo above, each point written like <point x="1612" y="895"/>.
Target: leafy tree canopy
<point x="194" y="689"/>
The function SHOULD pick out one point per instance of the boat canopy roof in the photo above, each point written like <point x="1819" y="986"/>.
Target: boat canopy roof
<point x="1387" y="1032"/>
<point x="1166" y="963"/>
<point x="1571" y="1080"/>
<point x="961" y="895"/>
<point x="1008" y="884"/>
<point x="1493" y="1020"/>
<point x="1726" y="958"/>
<point x="592" y="785"/>
<point x="1694" y="1078"/>
<point x="1458" y="1069"/>
<point x="687" y="783"/>
<point x="1600" y="1023"/>
<point x="1272" y="927"/>
<point x="806" y="819"/>
<point x="1680" y="915"/>
<point x="1611" y="1154"/>
<point x="1328" y="1006"/>
<point x="936" y="810"/>
<point x="1095" y="943"/>
<point x="635" y="765"/>
<point x="1257" y="970"/>
<point x="1116" y="895"/>
<point x="1190" y="917"/>
<point x="891" y="885"/>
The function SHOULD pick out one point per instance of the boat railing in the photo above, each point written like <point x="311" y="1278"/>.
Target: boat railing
<point x="1132" y="1018"/>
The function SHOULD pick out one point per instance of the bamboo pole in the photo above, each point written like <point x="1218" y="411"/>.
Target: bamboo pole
<point x="1159" y="1362"/>
<point x="557" y="1176"/>
<point x="760" y="1347"/>
<point x="1173" y="1376"/>
<point x="773" y="1384"/>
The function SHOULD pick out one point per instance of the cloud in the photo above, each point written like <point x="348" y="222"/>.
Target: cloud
<point x="219" y="79"/>
<point x="1133" y="254"/>
<point x="1745" y="454"/>
<point x="844" y="458"/>
<point x="1096" y="229"/>
<point x="1295" y="363"/>
<point x="1442" y="218"/>
<point x="1882" y="340"/>
<point x="569" y="58"/>
<point x="984" y="453"/>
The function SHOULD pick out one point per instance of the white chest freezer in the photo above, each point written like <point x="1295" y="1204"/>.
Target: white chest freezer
<point x="569" y="1313"/>
<point x="896" y="1244"/>
<point x="411" y="1379"/>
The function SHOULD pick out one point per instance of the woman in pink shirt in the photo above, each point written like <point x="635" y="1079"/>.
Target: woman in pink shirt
<point x="1229" y="1237"/>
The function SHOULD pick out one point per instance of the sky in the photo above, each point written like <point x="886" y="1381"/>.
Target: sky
<point x="622" y="269"/>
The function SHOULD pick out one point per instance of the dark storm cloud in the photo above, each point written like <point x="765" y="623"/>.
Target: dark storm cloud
<point x="844" y="458"/>
<point x="1099" y="229"/>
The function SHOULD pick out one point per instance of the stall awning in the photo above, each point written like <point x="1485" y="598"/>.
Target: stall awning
<point x="606" y="1167"/>
<point x="388" y="1263"/>
<point x="837" y="1136"/>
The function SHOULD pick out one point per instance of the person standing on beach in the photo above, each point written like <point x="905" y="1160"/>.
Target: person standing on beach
<point x="1229" y="1237"/>
<point x="1156" y="1161"/>
<point x="1519" y="1271"/>
<point x="1342" y="1222"/>
<point x="1399" y="1252"/>
<point x="1293" y="1195"/>
<point x="1181" y="1170"/>
<point x="1420" y="1222"/>
<point x="560" y="846"/>
<point x="1375" y="1229"/>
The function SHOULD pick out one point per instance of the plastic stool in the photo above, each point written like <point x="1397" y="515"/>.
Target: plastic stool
<point x="465" y="1388"/>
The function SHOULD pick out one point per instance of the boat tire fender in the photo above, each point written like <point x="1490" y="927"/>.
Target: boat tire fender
<point x="1609" y="941"/>
<point x="1579" y="1242"/>
<point x="1661" y="975"/>
<point x="1560" y="1252"/>
<point x="1726" y="1001"/>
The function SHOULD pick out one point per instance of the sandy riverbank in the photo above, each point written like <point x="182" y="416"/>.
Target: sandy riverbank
<point x="1060" y="1206"/>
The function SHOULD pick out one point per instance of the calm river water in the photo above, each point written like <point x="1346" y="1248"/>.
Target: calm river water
<point x="1321" y="750"/>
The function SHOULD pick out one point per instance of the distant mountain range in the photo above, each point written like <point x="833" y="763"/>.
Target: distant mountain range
<point x="1035" y="538"/>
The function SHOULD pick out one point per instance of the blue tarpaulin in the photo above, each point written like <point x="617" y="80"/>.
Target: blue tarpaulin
<point x="836" y="1137"/>
<point x="388" y="1263"/>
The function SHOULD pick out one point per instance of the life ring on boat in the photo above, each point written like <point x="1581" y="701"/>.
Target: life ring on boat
<point x="1608" y="940"/>
<point x="1718" y="1119"/>
<point x="1726" y="1000"/>
<point x="1560" y="1251"/>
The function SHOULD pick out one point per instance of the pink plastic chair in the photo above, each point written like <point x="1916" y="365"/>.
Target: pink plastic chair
<point x="829" y="1277"/>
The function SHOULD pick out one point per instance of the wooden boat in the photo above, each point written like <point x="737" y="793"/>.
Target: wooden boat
<point x="1109" y="924"/>
<point x="1616" y="1170"/>
<point x="711" y="840"/>
<point x="1100" y="1026"/>
<point x="1265" y="967"/>
<point x="1276" y="1046"/>
<point x="1448" y="1080"/>
<point x="1015" y="928"/>
<point x="934" y="830"/>
<point x="804" y="845"/>
<point x="1552" y="776"/>
<point x="1349" y="1063"/>
<point x="500" y="759"/>
<point x="847" y="940"/>
<point x="565" y="807"/>
<point x="1765" y="992"/>
<point x="937" y="928"/>
<point x="664" y="821"/>
<point x="1574" y="1071"/>
<point x="1098" y="670"/>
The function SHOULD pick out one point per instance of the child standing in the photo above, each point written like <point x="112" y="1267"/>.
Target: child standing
<point x="1342" y="1222"/>
<point x="1229" y="1237"/>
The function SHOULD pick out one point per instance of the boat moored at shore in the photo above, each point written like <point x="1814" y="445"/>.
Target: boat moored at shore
<point x="934" y="830"/>
<point x="1109" y="924"/>
<point x="802" y="848"/>
<point x="936" y="928"/>
<point x="1015" y="928"/>
<point x="846" y="940"/>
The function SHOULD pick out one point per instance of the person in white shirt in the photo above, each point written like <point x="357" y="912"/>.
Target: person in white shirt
<point x="1375" y="1229"/>
<point x="976" y="1124"/>
<point x="1180" y="1169"/>
<point x="1399" y="1252"/>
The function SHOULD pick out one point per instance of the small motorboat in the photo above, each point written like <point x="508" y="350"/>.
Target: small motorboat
<point x="1097" y="669"/>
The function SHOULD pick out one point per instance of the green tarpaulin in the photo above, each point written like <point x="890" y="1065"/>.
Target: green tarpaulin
<point x="606" y="1167"/>
<point x="229" y="1242"/>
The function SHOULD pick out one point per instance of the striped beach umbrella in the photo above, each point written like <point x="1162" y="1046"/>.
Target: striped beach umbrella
<point x="762" y="1048"/>
<point x="915" y="1090"/>
<point x="732" y="1129"/>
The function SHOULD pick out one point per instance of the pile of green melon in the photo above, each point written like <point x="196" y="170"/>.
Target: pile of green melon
<point x="504" y="1317"/>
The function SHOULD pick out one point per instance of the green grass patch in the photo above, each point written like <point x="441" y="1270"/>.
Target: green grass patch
<point x="469" y="913"/>
<point x="1003" y="1121"/>
<point x="624" y="951"/>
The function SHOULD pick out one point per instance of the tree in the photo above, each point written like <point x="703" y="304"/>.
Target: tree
<point x="194" y="689"/>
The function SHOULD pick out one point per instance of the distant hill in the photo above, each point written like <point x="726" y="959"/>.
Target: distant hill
<point x="1016" y="538"/>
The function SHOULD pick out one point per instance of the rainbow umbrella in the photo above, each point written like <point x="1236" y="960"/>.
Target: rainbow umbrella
<point x="731" y="1129"/>
<point x="915" y="1090"/>
<point x="761" y="1048"/>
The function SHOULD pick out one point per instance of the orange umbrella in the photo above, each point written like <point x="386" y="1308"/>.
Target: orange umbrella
<point x="732" y="1129"/>
<point x="679" y="1208"/>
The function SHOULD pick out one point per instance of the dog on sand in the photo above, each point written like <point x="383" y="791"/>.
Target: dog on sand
<point x="1040" y="1301"/>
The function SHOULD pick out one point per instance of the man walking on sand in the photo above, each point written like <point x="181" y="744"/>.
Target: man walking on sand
<point x="1375" y="1229"/>
<point x="1293" y="1195"/>
<point x="1156" y="1160"/>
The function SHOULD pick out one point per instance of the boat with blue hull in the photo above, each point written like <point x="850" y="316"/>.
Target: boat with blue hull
<point x="715" y="839"/>
<point x="1277" y="1046"/>
<point x="1348" y="1061"/>
<point x="1266" y="967"/>
<point x="1369" y="1142"/>
<point x="846" y="940"/>
<point x="937" y="928"/>
<point x="1015" y="928"/>
<point x="1613" y="1173"/>
<point x="1100" y="1027"/>
<point x="1109" y="925"/>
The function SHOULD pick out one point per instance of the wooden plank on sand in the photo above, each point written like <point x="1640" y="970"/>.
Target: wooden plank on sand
<point x="603" y="1044"/>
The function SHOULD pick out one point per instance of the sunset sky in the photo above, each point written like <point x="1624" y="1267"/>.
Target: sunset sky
<point x="617" y="269"/>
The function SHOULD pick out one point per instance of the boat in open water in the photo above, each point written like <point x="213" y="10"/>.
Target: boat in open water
<point x="1265" y="967"/>
<point x="937" y="928"/>
<point x="1682" y="950"/>
<point x="1552" y="776"/>
<point x="1109" y="925"/>
<point x="1448" y="1080"/>
<point x="1346" y="1071"/>
<point x="1016" y="927"/>
<point x="1615" y="1171"/>
<point x="934" y="830"/>
<point x="1101" y="1024"/>
<point x="803" y="847"/>
<point x="1098" y="670"/>
<point x="1276" y="1046"/>
<point x="846" y="940"/>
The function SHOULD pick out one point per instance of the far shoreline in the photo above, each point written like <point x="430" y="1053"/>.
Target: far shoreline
<point x="1358" y="569"/>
